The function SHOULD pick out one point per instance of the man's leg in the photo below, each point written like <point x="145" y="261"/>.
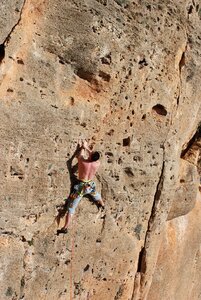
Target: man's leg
<point x="73" y="202"/>
<point x="64" y="229"/>
<point x="67" y="220"/>
<point x="101" y="202"/>
<point x="97" y="198"/>
<point x="95" y="195"/>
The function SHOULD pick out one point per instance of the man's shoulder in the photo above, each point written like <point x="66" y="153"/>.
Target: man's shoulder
<point x="82" y="159"/>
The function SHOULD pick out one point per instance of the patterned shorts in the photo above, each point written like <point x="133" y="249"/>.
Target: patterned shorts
<point x="79" y="190"/>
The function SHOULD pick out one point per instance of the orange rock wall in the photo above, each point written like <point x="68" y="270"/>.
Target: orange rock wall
<point x="125" y="75"/>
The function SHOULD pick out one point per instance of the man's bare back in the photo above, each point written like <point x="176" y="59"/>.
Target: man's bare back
<point x="87" y="169"/>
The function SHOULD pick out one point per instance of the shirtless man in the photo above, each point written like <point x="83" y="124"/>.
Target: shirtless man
<point x="87" y="169"/>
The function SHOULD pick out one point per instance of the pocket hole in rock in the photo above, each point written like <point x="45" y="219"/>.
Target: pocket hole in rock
<point x="126" y="142"/>
<point x="159" y="109"/>
<point x="20" y="62"/>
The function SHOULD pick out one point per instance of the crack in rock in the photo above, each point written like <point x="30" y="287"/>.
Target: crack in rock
<point x="141" y="269"/>
<point x="13" y="28"/>
<point x="192" y="141"/>
<point x="142" y="256"/>
<point x="181" y="64"/>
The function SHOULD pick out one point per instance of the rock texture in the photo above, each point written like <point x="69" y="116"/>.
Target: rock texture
<point x="126" y="75"/>
<point x="178" y="264"/>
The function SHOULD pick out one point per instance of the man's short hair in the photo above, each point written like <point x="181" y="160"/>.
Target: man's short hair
<point x="95" y="156"/>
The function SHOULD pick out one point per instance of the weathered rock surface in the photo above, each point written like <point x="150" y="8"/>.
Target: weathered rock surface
<point x="179" y="263"/>
<point x="125" y="74"/>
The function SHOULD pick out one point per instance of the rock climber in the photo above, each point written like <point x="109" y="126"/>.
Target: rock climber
<point x="87" y="168"/>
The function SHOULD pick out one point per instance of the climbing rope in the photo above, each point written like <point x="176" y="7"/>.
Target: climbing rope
<point x="72" y="256"/>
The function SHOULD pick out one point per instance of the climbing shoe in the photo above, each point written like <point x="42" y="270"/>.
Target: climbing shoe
<point x="100" y="206"/>
<point x="62" y="230"/>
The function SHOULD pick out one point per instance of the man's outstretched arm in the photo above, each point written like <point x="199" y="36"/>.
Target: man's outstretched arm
<point x="80" y="150"/>
<point x="86" y="147"/>
<point x="82" y="146"/>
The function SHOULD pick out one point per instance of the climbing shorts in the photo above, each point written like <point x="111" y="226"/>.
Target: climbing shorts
<point x="79" y="190"/>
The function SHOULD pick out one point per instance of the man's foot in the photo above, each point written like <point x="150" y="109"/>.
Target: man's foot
<point x="62" y="230"/>
<point x="101" y="204"/>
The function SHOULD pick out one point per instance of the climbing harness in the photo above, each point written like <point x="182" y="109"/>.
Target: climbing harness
<point x="82" y="188"/>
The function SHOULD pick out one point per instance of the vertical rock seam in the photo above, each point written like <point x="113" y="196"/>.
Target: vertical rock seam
<point x="181" y="64"/>
<point x="192" y="141"/>
<point x="142" y="255"/>
<point x="2" y="46"/>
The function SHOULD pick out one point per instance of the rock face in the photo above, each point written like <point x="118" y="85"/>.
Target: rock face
<point x="126" y="75"/>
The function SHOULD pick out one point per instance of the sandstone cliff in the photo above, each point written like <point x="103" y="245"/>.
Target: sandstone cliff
<point x="125" y="74"/>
